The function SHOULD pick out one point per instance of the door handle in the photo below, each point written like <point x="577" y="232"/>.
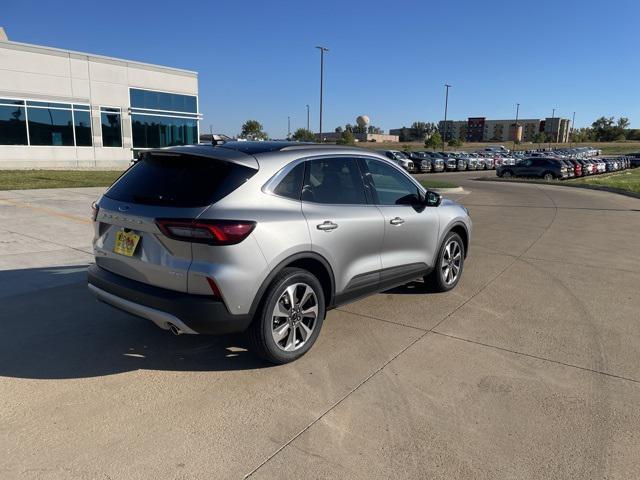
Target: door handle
<point x="327" y="226"/>
<point x="396" y="221"/>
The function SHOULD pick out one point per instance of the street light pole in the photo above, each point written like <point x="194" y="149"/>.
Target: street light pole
<point x="515" y="133"/>
<point x="446" y="105"/>
<point x="553" y="117"/>
<point x="573" y="121"/>
<point x="288" y="127"/>
<point x="307" y="117"/>
<point x="322" y="50"/>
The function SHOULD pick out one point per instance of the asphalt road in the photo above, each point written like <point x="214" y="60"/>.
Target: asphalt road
<point x="529" y="369"/>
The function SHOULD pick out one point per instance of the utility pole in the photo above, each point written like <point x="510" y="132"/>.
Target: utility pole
<point x="288" y="127"/>
<point x="573" y="121"/>
<point x="446" y="105"/>
<point x="322" y="50"/>
<point x="553" y="117"/>
<point x="308" y="117"/>
<point x="515" y="133"/>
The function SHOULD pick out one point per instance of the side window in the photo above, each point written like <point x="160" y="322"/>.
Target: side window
<point x="333" y="181"/>
<point x="390" y="186"/>
<point x="291" y="185"/>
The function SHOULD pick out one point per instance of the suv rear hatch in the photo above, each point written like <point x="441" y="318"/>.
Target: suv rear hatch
<point x="162" y="185"/>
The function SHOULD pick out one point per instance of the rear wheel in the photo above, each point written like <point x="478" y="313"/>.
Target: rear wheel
<point x="448" y="269"/>
<point x="507" y="174"/>
<point x="548" y="176"/>
<point x="290" y="317"/>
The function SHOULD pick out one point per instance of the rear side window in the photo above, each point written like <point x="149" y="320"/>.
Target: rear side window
<point x="334" y="181"/>
<point x="291" y="184"/>
<point x="178" y="180"/>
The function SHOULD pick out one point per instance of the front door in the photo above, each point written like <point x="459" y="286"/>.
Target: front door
<point x="410" y="230"/>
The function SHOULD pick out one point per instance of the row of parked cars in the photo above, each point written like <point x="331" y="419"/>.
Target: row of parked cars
<point x="428" y="162"/>
<point x="555" y="167"/>
<point x="491" y="158"/>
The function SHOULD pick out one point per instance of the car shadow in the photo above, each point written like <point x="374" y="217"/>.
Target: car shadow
<point x="54" y="328"/>
<point x="416" y="287"/>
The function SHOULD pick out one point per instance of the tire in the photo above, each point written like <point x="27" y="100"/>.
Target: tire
<point x="293" y="324"/>
<point x="439" y="279"/>
<point x="507" y="174"/>
<point x="548" y="176"/>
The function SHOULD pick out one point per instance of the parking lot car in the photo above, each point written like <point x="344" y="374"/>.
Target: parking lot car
<point x="401" y="159"/>
<point x="265" y="237"/>
<point x="539" y="167"/>
<point x="437" y="161"/>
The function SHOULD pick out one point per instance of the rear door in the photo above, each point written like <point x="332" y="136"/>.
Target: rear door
<point x="344" y="228"/>
<point x="160" y="186"/>
<point x="410" y="231"/>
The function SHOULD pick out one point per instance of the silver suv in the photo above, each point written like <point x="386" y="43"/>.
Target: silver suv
<point x="266" y="237"/>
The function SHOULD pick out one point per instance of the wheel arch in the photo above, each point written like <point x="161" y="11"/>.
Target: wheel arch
<point x="310" y="261"/>
<point x="461" y="229"/>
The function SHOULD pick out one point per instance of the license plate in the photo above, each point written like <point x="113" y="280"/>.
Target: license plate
<point x="126" y="243"/>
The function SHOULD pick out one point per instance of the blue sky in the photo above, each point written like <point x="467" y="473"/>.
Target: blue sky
<point x="389" y="60"/>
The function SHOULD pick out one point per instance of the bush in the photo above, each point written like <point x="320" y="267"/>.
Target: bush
<point x="455" y="142"/>
<point x="346" y="138"/>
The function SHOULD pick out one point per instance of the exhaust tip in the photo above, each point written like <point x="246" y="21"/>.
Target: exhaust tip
<point x="175" y="330"/>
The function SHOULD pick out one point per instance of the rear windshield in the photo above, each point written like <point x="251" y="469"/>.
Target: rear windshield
<point x="178" y="180"/>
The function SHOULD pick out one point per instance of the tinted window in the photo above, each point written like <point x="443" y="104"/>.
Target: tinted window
<point x="13" y="127"/>
<point x="333" y="181"/>
<point x="390" y="186"/>
<point x="150" y="131"/>
<point x="163" y="101"/>
<point x="111" y="131"/>
<point x="178" y="180"/>
<point x="291" y="184"/>
<point x="83" y="128"/>
<point x="48" y="126"/>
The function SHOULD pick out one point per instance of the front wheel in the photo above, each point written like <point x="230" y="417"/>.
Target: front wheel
<point x="289" y="320"/>
<point x="449" y="265"/>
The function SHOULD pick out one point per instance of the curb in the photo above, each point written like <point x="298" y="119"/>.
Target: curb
<point x="601" y="188"/>
<point x="449" y="190"/>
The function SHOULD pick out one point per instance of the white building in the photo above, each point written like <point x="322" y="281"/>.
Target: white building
<point x="65" y="109"/>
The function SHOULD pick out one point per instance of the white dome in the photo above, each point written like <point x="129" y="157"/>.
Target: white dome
<point x="362" y="120"/>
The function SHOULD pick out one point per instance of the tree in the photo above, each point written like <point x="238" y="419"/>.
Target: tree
<point x="539" y="138"/>
<point x="252" y="129"/>
<point x="346" y="138"/>
<point x="421" y="130"/>
<point x="339" y="129"/>
<point x="455" y="142"/>
<point x="607" y="129"/>
<point x="304" y="135"/>
<point x="374" y="129"/>
<point x="434" y="141"/>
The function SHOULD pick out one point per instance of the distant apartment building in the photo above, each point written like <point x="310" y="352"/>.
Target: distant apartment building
<point x="360" y="137"/>
<point x="479" y="129"/>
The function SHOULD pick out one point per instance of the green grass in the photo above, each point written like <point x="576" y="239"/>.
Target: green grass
<point x="627" y="180"/>
<point x="437" y="184"/>
<point x="27" y="179"/>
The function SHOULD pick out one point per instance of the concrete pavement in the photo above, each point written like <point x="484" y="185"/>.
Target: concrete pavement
<point x="529" y="369"/>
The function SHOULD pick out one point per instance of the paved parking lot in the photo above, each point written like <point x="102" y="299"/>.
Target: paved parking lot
<point x="529" y="369"/>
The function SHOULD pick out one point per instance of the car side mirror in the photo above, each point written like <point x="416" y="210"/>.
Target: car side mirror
<point x="432" y="199"/>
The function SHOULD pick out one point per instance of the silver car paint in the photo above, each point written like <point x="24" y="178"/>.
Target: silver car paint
<point x="364" y="241"/>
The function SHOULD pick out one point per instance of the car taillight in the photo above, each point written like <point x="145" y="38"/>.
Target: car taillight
<point x="212" y="232"/>
<point x="94" y="211"/>
<point x="214" y="288"/>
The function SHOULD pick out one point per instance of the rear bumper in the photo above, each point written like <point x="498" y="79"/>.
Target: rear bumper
<point x="189" y="313"/>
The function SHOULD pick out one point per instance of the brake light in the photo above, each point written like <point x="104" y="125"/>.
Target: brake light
<point x="94" y="211"/>
<point x="212" y="232"/>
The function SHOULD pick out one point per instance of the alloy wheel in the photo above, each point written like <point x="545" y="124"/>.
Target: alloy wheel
<point x="451" y="262"/>
<point x="294" y="317"/>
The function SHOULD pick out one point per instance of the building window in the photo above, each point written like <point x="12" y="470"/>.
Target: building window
<point x="161" y="119"/>
<point x="13" y="124"/>
<point x="82" y="125"/>
<point x="111" y="127"/>
<point x="168" y="102"/>
<point x="152" y="131"/>
<point x="50" y="124"/>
